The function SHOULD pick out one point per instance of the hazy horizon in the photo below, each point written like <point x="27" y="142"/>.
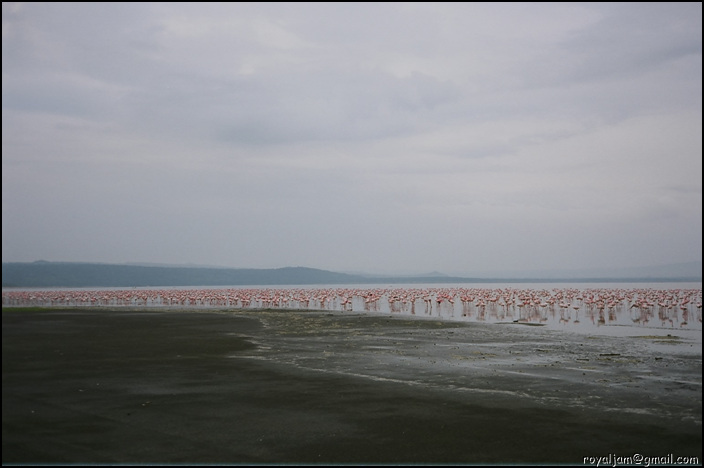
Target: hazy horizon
<point x="676" y="270"/>
<point x="389" y="138"/>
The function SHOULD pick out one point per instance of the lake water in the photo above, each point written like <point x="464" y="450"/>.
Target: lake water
<point x="619" y="309"/>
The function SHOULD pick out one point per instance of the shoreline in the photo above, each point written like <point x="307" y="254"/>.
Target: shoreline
<point x="207" y="386"/>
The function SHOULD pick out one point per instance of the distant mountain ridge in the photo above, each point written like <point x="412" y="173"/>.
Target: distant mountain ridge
<point x="67" y="274"/>
<point x="51" y="274"/>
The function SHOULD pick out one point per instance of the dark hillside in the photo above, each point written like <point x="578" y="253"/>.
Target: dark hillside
<point x="77" y="275"/>
<point x="49" y="274"/>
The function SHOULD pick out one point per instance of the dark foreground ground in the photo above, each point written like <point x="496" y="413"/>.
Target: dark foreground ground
<point x="242" y="387"/>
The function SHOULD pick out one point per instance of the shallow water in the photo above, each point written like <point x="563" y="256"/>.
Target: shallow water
<point x="108" y="384"/>
<point x="610" y="309"/>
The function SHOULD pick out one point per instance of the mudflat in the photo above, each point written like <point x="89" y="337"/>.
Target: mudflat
<point x="160" y="386"/>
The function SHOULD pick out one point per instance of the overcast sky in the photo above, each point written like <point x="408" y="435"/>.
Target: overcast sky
<point x="384" y="138"/>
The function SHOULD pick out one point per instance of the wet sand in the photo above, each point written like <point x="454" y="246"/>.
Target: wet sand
<point x="104" y="386"/>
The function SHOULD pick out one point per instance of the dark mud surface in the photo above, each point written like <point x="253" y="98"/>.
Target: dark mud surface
<point x="126" y="386"/>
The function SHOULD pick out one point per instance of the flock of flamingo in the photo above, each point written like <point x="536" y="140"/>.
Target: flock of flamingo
<point x="602" y="306"/>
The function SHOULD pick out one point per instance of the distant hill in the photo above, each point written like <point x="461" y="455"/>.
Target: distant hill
<point x="74" y="275"/>
<point x="59" y="274"/>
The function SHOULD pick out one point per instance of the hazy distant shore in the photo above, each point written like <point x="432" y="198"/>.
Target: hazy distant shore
<point x="65" y="274"/>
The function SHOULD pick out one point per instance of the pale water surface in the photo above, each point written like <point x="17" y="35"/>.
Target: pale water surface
<point x="613" y="309"/>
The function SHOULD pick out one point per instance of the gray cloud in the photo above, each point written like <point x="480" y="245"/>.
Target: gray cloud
<point x="379" y="137"/>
